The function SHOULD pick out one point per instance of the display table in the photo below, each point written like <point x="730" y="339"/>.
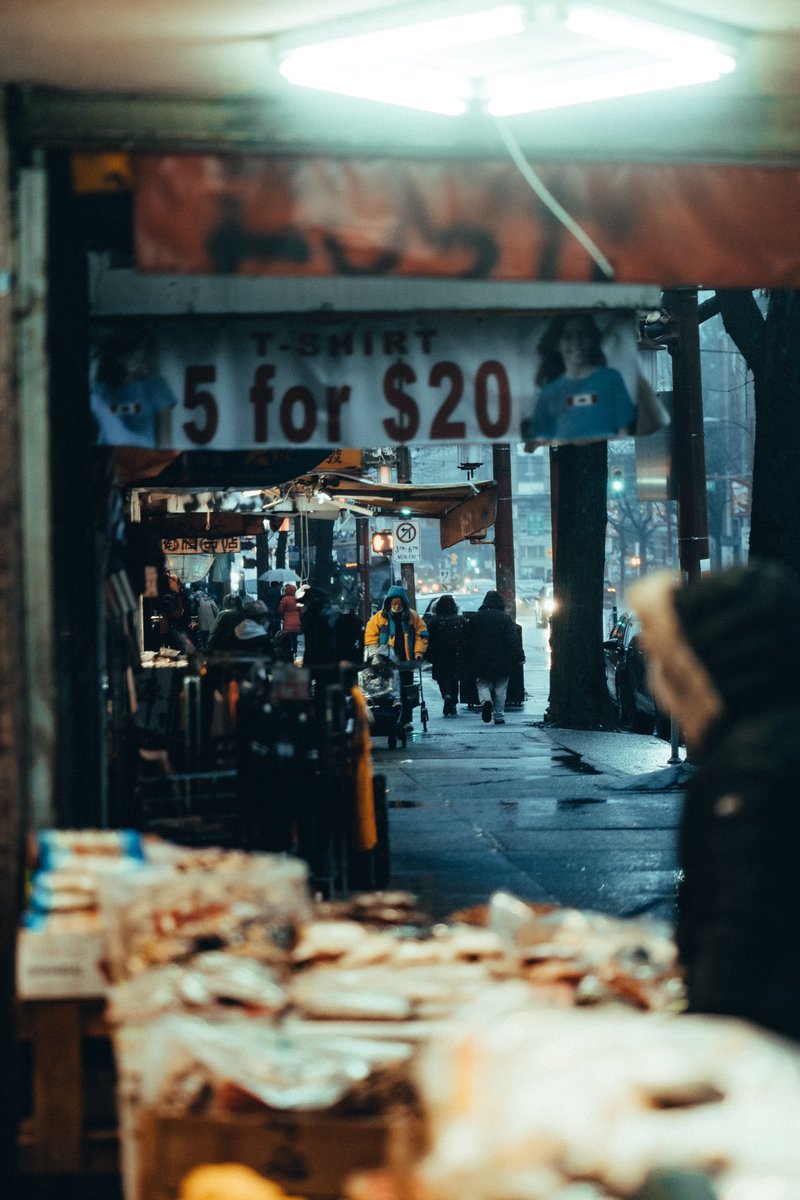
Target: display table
<point x="72" y="1124"/>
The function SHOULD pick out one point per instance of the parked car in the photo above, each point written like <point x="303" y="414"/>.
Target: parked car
<point x="544" y="605"/>
<point x="626" y="679"/>
<point x="465" y="602"/>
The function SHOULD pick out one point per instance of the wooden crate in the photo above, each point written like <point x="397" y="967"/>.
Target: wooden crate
<point x="308" y="1154"/>
<point x="66" y="1068"/>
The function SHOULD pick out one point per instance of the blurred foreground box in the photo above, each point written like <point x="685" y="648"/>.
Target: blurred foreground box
<point x="307" y="1154"/>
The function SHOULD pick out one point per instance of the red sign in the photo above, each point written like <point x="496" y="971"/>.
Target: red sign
<point x="665" y="224"/>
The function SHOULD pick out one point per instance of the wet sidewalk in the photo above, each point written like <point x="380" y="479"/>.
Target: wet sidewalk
<point x="554" y="815"/>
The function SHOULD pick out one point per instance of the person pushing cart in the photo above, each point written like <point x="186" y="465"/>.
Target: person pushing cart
<point x="398" y="625"/>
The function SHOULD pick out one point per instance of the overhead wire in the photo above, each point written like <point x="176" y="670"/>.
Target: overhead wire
<point x="548" y="199"/>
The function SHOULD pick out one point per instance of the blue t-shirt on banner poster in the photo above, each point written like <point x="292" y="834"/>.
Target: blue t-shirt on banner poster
<point x="597" y="406"/>
<point x="126" y="415"/>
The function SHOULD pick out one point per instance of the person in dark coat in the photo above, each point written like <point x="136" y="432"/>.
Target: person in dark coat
<point x="318" y="623"/>
<point x="494" y="648"/>
<point x="447" y="630"/>
<point x="221" y="636"/>
<point x="349" y="636"/>
<point x="272" y="598"/>
<point x="724" y="657"/>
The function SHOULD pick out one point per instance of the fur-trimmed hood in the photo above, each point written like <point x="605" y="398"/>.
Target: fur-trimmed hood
<point x="724" y="647"/>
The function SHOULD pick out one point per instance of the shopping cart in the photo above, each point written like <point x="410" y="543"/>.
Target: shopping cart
<point x="379" y="680"/>
<point x="411" y="690"/>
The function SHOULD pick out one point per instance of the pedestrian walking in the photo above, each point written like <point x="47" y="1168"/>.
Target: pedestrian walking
<point x="207" y="613"/>
<point x="272" y="597"/>
<point x="494" y="648"/>
<point x="398" y="625"/>
<point x="447" y="630"/>
<point x="289" y="614"/>
<point x="724" y="657"/>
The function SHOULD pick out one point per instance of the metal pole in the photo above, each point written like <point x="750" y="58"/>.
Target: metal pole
<point x="504" y="528"/>
<point x="363" y="550"/>
<point x="688" y="449"/>
<point x="689" y="464"/>
<point x="407" y="577"/>
<point x="554" y="467"/>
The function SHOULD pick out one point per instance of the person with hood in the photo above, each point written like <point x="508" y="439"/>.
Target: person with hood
<point x="447" y="629"/>
<point x="494" y="648"/>
<point x="289" y="614"/>
<point x="724" y="657"/>
<point x="251" y="635"/>
<point x="398" y="625"/>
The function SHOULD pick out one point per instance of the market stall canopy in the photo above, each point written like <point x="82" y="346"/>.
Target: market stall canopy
<point x="463" y="510"/>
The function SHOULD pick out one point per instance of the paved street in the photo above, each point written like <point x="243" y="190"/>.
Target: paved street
<point x="553" y="815"/>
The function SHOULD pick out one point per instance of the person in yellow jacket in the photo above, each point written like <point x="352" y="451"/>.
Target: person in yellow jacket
<point x="399" y="626"/>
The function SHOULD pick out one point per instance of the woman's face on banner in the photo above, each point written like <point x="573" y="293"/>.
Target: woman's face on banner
<point x="574" y="346"/>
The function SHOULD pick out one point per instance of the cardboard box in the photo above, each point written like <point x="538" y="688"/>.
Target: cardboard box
<point x="307" y="1154"/>
<point x="64" y="966"/>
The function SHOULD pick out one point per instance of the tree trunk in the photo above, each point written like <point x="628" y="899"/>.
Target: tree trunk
<point x="771" y="348"/>
<point x="578" y="695"/>
<point x="775" y="529"/>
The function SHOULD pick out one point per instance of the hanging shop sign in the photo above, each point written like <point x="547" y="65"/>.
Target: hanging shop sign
<point x="201" y="545"/>
<point x="246" y="383"/>
<point x="725" y="225"/>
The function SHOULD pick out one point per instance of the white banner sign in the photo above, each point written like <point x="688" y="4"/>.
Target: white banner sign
<point x="406" y="541"/>
<point x="238" y="383"/>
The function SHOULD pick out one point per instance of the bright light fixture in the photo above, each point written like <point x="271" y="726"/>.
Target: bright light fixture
<point x="524" y="94"/>
<point x="386" y="65"/>
<point x="648" y="36"/>
<point x="390" y="45"/>
<point x="407" y="86"/>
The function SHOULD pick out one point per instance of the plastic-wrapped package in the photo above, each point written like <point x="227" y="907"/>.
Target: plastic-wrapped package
<point x="192" y="1065"/>
<point x="160" y="915"/>
<point x="74" y="848"/>
<point x="593" y="957"/>
<point x="71" y="862"/>
<point x="216" y="983"/>
<point x="515" y="1091"/>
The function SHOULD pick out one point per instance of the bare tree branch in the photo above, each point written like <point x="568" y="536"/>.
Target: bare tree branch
<point x="709" y="308"/>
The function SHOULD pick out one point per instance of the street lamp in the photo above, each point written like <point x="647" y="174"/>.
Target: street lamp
<point x="470" y="458"/>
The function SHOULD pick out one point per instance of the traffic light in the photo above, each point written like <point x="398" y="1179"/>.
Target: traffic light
<point x="617" y="480"/>
<point x="382" y="541"/>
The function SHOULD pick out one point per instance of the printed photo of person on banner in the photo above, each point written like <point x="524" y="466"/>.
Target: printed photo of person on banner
<point x="128" y="396"/>
<point x="580" y="398"/>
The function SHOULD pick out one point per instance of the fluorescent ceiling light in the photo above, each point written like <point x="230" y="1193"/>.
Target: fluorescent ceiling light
<point x="389" y="65"/>
<point x="637" y="34"/>
<point x="530" y="94"/>
<point x="407" y="40"/>
<point x="409" y="87"/>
